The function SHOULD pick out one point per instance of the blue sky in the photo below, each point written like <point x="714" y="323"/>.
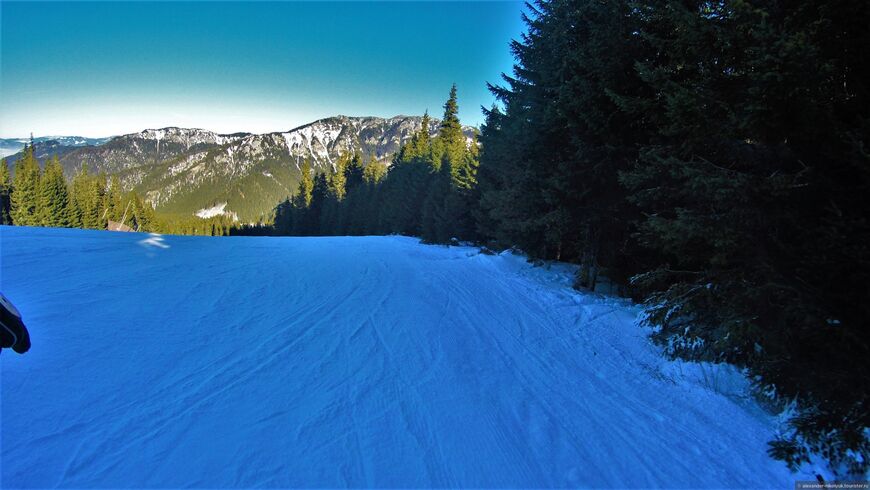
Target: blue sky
<point x="99" y="69"/>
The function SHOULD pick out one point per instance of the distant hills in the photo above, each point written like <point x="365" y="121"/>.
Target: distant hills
<point x="194" y="171"/>
<point x="11" y="146"/>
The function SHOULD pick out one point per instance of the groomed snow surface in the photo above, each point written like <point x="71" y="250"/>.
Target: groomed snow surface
<point x="165" y="361"/>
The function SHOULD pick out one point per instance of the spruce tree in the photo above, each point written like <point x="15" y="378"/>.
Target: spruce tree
<point x="338" y="178"/>
<point x="5" y="194"/>
<point x="298" y="217"/>
<point x="402" y="190"/>
<point x="306" y="185"/>
<point x="53" y="197"/>
<point x="283" y="222"/>
<point x="319" y="195"/>
<point x="552" y="157"/>
<point x="78" y="192"/>
<point x="451" y="129"/>
<point x="93" y="216"/>
<point x="142" y="216"/>
<point x="751" y="201"/>
<point x="374" y="172"/>
<point x="423" y="141"/>
<point x="435" y="222"/>
<point x="113" y="207"/>
<point x="447" y="209"/>
<point x="353" y="173"/>
<point x="684" y="150"/>
<point x="26" y="190"/>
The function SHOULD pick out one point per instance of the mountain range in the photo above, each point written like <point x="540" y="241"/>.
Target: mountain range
<point x="194" y="171"/>
<point x="11" y="146"/>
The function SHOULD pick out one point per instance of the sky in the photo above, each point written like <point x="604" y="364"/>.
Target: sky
<point x="102" y="69"/>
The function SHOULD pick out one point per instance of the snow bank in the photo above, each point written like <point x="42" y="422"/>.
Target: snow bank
<point x="166" y="361"/>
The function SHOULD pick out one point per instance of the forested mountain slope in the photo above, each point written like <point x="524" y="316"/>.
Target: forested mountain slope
<point x="182" y="170"/>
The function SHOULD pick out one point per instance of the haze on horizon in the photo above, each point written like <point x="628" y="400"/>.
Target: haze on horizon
<point x="103" y="69"/>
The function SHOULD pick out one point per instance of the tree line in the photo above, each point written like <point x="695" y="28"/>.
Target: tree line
<point x="710" y="158"/>
<point x="427" y="191"/>
<point x="44" y="197"/>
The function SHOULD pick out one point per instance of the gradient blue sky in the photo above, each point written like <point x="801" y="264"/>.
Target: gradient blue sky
<point x="100" y="69"/>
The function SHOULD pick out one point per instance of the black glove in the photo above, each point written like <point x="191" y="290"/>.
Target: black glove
<point x="13" y="333"/>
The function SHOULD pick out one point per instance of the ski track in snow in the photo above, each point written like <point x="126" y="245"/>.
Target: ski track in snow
<point x="351" y="361"/>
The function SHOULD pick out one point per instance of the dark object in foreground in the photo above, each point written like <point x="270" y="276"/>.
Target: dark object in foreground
<point x="13" y="333"/>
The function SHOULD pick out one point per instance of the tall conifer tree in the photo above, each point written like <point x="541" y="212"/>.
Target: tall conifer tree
<point x="338" y="178"/>
<point x="306" y="185"/>
<point x="451" y="129"/>
<point x="25" y="194"/>
<point x="113" y="207"/>
<point x="5" y="194"/>
<point x="353" y="173"/>
<point x="53" y="196"/>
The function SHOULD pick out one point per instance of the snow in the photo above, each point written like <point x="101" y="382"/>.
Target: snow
<point x="186" y="136"/>
<point x="216" y="210"/>
<point x="323" y="133"/>
<point x="167" y="361"/>
<point x="189" y="164"/>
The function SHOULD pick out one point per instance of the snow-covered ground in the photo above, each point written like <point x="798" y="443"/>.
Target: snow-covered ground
<point x="164" y="361"/>
<point x="216" y="210"/>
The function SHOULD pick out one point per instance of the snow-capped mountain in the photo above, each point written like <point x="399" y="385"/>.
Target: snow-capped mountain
<point x="187" y="170"/>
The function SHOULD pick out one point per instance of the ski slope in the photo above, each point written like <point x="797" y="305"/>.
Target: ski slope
<point x="165" y="361"/>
